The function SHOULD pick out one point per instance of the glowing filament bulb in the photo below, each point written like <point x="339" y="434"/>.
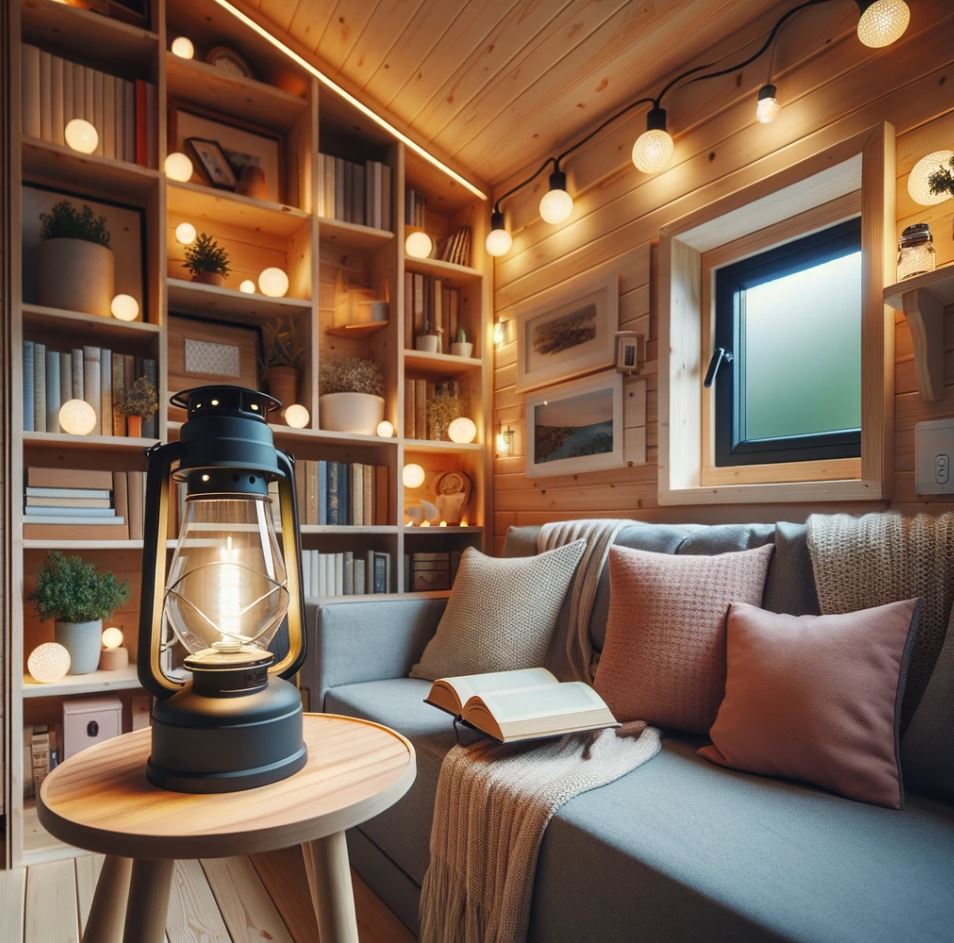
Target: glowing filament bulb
<point x="230" y="610"/>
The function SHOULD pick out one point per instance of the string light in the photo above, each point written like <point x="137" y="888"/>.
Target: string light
<point x="186" y="234"/>
<point x="182" y="47"/>
<point x="178" y="167"/>
<point x="767" y="108"/>
<point x="919" y="183"/>
<point x="418" y="244"/>
<point x="499" y="241"/>
<point x="556" y="205"/>
<point x="653" y="148"/>
<point x="81" y="135"/>
<point x="882" y="22"/>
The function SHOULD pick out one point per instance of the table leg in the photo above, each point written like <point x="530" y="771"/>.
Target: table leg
<point x="148" y="904"/>
<point x="104" y="924"/>
<point x="330" y="879"/>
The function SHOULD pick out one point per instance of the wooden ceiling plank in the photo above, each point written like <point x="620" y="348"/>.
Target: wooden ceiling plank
<point x="310" y="20"/>
<point x="347" y="26"/>
<point x="280" y="13"/>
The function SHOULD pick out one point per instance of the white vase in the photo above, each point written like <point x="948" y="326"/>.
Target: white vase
<point x="350" y="412"/>
<point x="462" y="349"/>
<point x="83" y="640"/>
<point x="428" y="343"/>
<point x="77" y="275"/>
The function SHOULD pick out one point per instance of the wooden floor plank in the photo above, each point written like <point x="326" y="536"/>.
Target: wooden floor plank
<point x="283" y="874"/>
<point x="244" y="902"/>
<point x="376" y="923"/>
<point x="194" y="916"/>
<point x="87" y="874"/>
<point x="51" y="905"/>
<point x="12" y="891"/>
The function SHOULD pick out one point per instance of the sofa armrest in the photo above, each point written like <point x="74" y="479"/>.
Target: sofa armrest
<point x="350" y="642"/>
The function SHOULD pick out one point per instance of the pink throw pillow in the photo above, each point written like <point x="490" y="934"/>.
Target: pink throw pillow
<point x="817" y="698"/>
<point x="664" y="657"/>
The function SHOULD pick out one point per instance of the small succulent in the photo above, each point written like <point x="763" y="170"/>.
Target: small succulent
<point x="206" y="257"/>
<point x="461" y="336"/>
<point x="65" y="221"/>
<point x="282" y="345"/>
<point x="942" y="180"/>
<point x="350" y="375"/>
<point x="140" y="399"/>
<point x="71" y="590"/>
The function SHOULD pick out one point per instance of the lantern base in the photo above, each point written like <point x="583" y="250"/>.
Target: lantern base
<point x="207" y="744"/>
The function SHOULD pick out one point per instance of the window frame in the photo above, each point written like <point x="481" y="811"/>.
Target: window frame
<point x="731" y="447"/>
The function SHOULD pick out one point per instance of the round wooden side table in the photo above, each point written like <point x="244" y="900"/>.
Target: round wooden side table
<point x="99" y="800"/>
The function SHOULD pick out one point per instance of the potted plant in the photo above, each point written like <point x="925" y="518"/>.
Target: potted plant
<point x="137" y="402"/>
<point x="429" y="340"/>
<point x="72" y="592"/>
<point x="350" y="395"/>
<point x="76" y="268"/>
<point x="207" y="260"/>
<point x="461" y="347"/>
<point x="284" y="353"/>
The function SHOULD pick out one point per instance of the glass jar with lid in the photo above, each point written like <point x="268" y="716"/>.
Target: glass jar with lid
<point x="916" y="254"/>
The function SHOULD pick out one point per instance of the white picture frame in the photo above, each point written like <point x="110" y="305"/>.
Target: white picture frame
<point x="586" y="306"/>
<point x="594" y="406"/>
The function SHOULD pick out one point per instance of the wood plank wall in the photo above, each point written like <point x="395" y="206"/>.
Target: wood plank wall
<point x="830" y="88"/>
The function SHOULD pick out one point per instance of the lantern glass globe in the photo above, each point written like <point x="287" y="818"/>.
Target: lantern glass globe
<point x="412" y="475"/>
<point x="81" y="135"/>
<point x="385" y="429"/>
<point x="124" y="308"/>
<point x="178" y="167"/>
<point x="186" y="234"/>
<point x="48" y="662"/>
<point x="462" y="430"/>
<point x="919" y="187"/>
<point x="556" y="206"/>
<point x="652" y="151"/>
<point x="112" y="637"/>
<point x="297" y="416"/>
<point x="418" y="245"/>
<point x="77" y="417"/>
<point x="273" y="282"/>
<point x="182" y="47"/>
<point x="883" y="22"/>
<point x="499" y="242"/>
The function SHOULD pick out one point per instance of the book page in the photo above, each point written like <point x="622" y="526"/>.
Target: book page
<point x="531" y="703"/>
<point x="468" y="686"/>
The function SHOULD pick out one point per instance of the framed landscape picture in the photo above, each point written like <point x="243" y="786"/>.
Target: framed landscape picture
<point x="576" y="426"/>
<point x="569" y="332"/>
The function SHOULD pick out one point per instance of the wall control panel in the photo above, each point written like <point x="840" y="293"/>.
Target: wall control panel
<point x="934" y="456"/>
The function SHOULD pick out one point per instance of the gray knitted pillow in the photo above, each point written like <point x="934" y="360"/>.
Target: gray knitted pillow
<point x="501" y="613"/>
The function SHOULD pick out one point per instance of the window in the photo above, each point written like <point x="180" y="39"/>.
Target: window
<point x="788" y="324"/>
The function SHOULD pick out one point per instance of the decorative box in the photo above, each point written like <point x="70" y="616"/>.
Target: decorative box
<point x="90" y="720"/>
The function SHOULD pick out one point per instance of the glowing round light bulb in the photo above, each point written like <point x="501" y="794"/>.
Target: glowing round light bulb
<point x="385" y="429"/>
<point x="462" y="430"/>
<point x="247" y="286"/>
<point x="767" y="108"/>
<point x="124" y="308"/>
<point x="499" y="242"/>
<point x="919" y="187"/>
<point x="178" y="167"/>
<point x="273" y="282"/>
<point x="296" y="416"/>
<point x="186" y="234"/>
<point x="418" y="245"/>
<point x="81" y="135"/>
<point x="883" y="22"/>
<point x="652" y="151"/>
<point x="412" y="475"/>
<point x="112" y="637"/>
<point x="556" y="205"/>
<point x="77" y="417"/>
<point x="182" y="47"/>
<point x="48" y="662"/>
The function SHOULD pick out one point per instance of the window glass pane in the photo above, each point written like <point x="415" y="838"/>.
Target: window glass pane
<point x="803" y="351"/>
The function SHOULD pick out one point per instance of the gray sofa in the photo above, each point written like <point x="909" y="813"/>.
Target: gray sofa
<point x="677" y="850"/>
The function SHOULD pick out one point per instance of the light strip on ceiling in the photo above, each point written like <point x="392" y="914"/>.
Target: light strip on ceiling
<point x="348" y="97"/>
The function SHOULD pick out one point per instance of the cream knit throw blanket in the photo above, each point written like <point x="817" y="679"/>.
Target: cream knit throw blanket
<point x="495" y="801"/>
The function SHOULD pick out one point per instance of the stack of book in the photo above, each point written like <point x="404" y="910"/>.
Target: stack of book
<point x="82" y="504"/>
<point x="39" y="756"/>
<point x="342" y="493"/>
<point x="417" y="395"/>
<point x="347" y="573"/>
<point x="415" y="208"/>
<point x="428" y="301"/>
<point x="430" y="571"/>
<point x="94" y="374"/>
<point x="455" y="247"/>
<point x="355" y="193"/>
<point x="55" y="90"/>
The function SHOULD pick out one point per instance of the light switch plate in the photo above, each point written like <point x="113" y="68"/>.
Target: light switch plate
<point x="934" y="456"/>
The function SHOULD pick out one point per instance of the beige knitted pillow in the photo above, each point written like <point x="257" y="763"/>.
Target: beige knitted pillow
<point x="501" y="613"/>
<point x="664" y="658"/>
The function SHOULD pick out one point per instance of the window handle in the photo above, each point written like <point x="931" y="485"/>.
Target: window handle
<point x="719" y="356"/>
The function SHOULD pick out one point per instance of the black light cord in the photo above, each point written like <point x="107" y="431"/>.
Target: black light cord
<point x="608" y="121"/>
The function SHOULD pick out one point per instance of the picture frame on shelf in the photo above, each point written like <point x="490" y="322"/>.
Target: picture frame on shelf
<point x="212" y="162"/>
<point x="576" y="426"/>
<point x="568" y="332"/>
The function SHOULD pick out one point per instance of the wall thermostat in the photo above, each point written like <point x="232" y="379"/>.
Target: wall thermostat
<point x="934" y="456"/>
<point x="627" y="351"/>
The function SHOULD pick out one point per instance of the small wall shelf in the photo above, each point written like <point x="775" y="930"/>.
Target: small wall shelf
<point x="441" y="365"/>
<point x="122" y="679"/>
<point x="39" y="318"/>
<point x="352" y="235"/>
<point x="213" y="301"/>
<point x="922" y="300"/>
<point x="357" y="330"/>
<point x="448" y="271"/>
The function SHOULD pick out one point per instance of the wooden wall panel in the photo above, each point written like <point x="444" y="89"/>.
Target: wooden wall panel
<point x="827" y="96"/>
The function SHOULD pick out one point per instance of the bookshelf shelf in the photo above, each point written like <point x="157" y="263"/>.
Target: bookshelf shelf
<point x="346" y="529"/>
<point x="418" y="531"/>
<point x="92" y="326"/>
<point x="62" y="441"/>
<point x="228" y="304"/>
<point x="441" y="365"/>
<point x="196" y="202"/>
<point x="123" y="679"/>
<point x="353" y="235"/>
<point x="447" y="271"/>
<point x="437" y="446"/>
<point x="80" y="545"/>
<point x="357" y="330"/>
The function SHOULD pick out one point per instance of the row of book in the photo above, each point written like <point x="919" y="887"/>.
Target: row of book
<point x="455" y="247"/>
<point x="418" y="424"/>
<point x="354" y="193"/>
<point x="56" y="90"/>
<point x="415" y="208"/>
<point x="342" y="493"/>
<point x="94" y="374"/>
<point x="83" y="504"/>
<point x="345" y="573"/>
<point x="430" y="307"/>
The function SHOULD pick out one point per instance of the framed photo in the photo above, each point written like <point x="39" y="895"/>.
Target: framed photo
<point x="576" y="426"/>
<point x="571" y="331"/>
<point x="211" y="158"/>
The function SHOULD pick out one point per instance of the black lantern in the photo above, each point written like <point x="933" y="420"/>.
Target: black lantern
<point x="232" y="584"/>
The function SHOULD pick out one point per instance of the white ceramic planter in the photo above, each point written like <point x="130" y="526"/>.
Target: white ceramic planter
<point x="350" y="412"/>
<point x="463" y="349"/>
<point x="77" y="275"/>
<point x="83" y="640"/>
<point x="428" y="343"/>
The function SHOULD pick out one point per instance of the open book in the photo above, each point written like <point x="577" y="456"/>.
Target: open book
<point x="521" y="705"/>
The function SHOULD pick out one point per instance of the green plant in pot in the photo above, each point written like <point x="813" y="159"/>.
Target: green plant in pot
<point x="350" y="395"/>
<point x="281" y="364"/>
<point x="137" y="402"/>
<point x="207" y="261"/>
<point x="75" y="267"/>
<point x="462" y="345"/>
<point x="77" y="597"/>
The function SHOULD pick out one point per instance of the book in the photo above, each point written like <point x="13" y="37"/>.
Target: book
<point x="28" y="404"/>
<point x="150" y="426"/>
<point x="60" y="502"/>
<point x="136" y="502"/>
<point x="526" y="704"/>
<point x="50" y="514"/>
<point x="39" y="387"/>
<point x="30" y="87"/>
<point x="367" y="502"/>
<point x="72" y="478"/>
<point x="92" y="376"/>
<point x="332" y="502"/>
<point x="106" y="392"/>
<point x="66" y="376"/>
<point x="121" y="493"/>
<point x="118" y="385"/>
<point x="78" y="389"/>
<point x="75" y="529"/>
<point x="323" y="492"/>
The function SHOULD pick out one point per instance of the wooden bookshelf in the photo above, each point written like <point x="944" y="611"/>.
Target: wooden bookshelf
<point x="313" y="250"/>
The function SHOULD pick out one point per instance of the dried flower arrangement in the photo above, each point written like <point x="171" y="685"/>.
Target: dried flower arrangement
<point x="140" y="399"/>
<point x="442" y="409"/>
<point x="350" y="375"/>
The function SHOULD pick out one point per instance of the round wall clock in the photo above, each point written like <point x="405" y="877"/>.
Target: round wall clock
<point x="228" y="60"/>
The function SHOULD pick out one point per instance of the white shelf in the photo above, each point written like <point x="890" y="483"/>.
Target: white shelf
<point x="123" y="679"/>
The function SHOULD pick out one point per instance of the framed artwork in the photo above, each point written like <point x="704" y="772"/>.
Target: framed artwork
<point x="240" y="146"/>
<point x="569" y="332"/>
<point x="576" y="426"/>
